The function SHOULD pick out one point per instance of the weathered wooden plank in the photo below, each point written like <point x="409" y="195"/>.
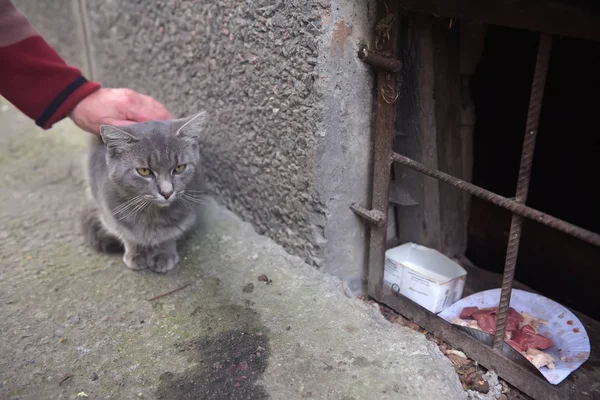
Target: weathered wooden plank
<point x="418" y="139"/>
<point x="472" y="39"/>
<point x="431" y="133"/>
<point x="446" y="66"/>
<point x="385" y="111"/>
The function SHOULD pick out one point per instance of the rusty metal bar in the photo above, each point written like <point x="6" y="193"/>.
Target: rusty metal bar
<point x="379" y="60"/>
<point x="382" y="150"/>
<point x="500" y="201"/>
<point x="374" y="217"/>
<point x="514" y="237"/>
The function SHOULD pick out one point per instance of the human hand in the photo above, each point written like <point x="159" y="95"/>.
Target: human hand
<point x="116" y="107"/>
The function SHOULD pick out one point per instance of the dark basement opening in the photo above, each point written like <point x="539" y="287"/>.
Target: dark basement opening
<point x="565" y="165"/>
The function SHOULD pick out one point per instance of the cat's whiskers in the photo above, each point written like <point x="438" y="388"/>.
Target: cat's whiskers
<point x="195" y="191"/>
<point x="123" y="207"/>
<point x="144" y="207"/>
<point x="139" y="207"/>
<point x="193" y="199"/>
<point x="125" y="203"/>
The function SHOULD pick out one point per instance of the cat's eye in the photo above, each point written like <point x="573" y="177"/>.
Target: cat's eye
<point x="143" y="171"/>
<point x="180" y="168"/>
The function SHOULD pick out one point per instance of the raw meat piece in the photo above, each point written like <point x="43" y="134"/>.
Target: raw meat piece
<point x="526" y="339"/>
<point x="467" y="312"/>
<point x="513" y="320"/>
<point x="470" y="323"/>
<point x="532" y="321"/>
<point x="540" y="359"/>
<point x="486" y="318"/>
<point x="521" y="332"/>
<point x="515" y="345"/>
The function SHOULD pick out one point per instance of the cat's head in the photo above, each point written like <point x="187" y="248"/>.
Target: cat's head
<point x="156" y="160"/>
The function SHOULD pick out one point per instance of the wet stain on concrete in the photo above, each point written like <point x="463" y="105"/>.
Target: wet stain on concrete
<point x="361" y="362"/>
<point x="249" y="288"/>
<point x="229" y="365"/>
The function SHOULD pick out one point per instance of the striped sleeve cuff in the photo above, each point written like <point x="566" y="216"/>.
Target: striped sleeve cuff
<point x="66" y="101"/>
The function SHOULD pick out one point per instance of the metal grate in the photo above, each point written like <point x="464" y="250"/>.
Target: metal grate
<point x="493" y="357"/>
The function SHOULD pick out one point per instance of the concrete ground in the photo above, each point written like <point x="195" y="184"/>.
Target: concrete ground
<point x="76" y="324"/>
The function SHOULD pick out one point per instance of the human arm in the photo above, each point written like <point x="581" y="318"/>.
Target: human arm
<point x="35" y="78"/>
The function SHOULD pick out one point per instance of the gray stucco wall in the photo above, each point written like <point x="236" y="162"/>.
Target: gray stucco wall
<point x="290" y="103"/>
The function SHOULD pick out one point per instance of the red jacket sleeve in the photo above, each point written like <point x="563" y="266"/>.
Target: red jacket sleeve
<point x="33" y="76"/>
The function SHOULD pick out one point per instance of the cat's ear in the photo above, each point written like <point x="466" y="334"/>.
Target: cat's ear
<point x="193" y="127"/>
<point x="115" y="138"/>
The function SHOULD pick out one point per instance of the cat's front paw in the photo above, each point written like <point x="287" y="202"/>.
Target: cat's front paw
<point x="163" y="261"/>
<point x="136" y="261"/>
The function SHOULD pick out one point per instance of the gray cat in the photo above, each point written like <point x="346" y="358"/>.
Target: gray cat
<point x="144" y="181"/>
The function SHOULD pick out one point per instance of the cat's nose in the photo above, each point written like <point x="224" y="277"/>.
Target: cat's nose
<point x="166" y="195"/>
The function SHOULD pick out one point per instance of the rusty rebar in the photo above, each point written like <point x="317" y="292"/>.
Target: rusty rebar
<point x="500" y="201"/>
<point x="380" y="60"/>
<point x="374" y="217"/>
<point x="514" y="237"/>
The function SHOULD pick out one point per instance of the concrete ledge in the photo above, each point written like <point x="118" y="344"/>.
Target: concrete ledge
<point x="74" y="321"/>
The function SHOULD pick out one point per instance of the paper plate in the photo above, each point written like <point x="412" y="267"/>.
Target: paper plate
<point x="571" y="341"/>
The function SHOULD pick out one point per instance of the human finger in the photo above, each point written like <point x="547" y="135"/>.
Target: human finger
<point x="144" y="108"/>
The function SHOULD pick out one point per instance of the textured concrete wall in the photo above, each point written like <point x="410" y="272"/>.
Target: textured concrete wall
<point x="290" y="104"/>
<point x="343" y="157"/>
<point x="252" y="65"/>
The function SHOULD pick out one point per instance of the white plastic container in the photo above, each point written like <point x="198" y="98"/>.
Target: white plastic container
<point x="424" y="275"/>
